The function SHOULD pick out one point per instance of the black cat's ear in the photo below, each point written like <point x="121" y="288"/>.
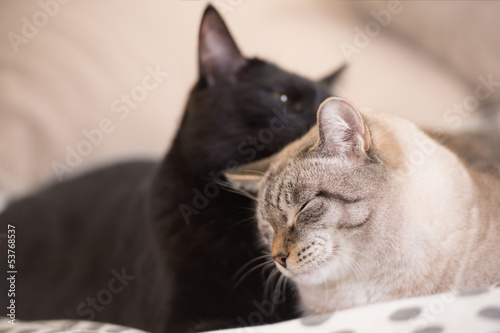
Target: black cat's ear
<point x="342" y="131"/>
<point x="248" y="176"/>
<point x="331" y="78"/>
<point x="218" y="56"/>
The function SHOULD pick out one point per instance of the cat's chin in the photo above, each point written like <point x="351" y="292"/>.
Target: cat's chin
<point x="309" y="279"/>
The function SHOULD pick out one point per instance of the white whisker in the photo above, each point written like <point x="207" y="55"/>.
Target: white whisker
<point x="242" y="268"/>
<point x="249" y="272"/>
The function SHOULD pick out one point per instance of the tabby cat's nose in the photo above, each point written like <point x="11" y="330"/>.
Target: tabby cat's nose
<point x="281" y="259"/>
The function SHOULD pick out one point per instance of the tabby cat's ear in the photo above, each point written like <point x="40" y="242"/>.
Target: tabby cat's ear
<point x="248" y="176"/>
<point x="342" y="130"/>
<point x="218" y="56"/>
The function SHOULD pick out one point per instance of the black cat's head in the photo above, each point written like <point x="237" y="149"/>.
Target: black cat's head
<point x="242" y="109"/>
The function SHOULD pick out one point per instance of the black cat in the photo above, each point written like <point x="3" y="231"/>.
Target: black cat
<point x="156" y="246"/>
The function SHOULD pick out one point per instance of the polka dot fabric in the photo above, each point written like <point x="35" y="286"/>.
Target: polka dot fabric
<point x="476" y="311"/>
<point x="68" y="326"/>
<point x="472" y="311"/>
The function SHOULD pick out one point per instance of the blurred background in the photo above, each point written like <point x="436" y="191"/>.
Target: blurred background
<point x="64" y="65"/>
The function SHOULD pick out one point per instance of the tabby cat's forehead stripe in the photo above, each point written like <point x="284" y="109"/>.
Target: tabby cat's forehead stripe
<point x="282" y="194"/>
<point x="278" y="196"/>
<point x="288" y="197"/>
<point x="267" y="195"/>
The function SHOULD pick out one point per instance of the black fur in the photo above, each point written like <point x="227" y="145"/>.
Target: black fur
<point x="141" y="216"/>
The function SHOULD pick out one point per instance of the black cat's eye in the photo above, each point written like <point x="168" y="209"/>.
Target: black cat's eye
<point x="283" y="98"/>
<point x="291" y="100"/>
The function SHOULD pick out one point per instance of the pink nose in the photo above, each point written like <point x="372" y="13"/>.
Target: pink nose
<point x="281" y="259"/>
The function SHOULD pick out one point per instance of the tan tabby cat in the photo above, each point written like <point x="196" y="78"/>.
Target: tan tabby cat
<point x="368" y="208"/>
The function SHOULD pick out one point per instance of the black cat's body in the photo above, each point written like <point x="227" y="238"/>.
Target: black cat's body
<point x="194" y="229"/>
<point x="150" y="220"/>
<point x="71" y="237"/>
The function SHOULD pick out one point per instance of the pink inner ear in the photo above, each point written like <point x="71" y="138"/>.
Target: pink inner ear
<point x="342" y="129"/>
<point x="219" y="57"/>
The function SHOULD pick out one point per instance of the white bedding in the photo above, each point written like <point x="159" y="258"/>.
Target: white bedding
<point x="469" y="312"/>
